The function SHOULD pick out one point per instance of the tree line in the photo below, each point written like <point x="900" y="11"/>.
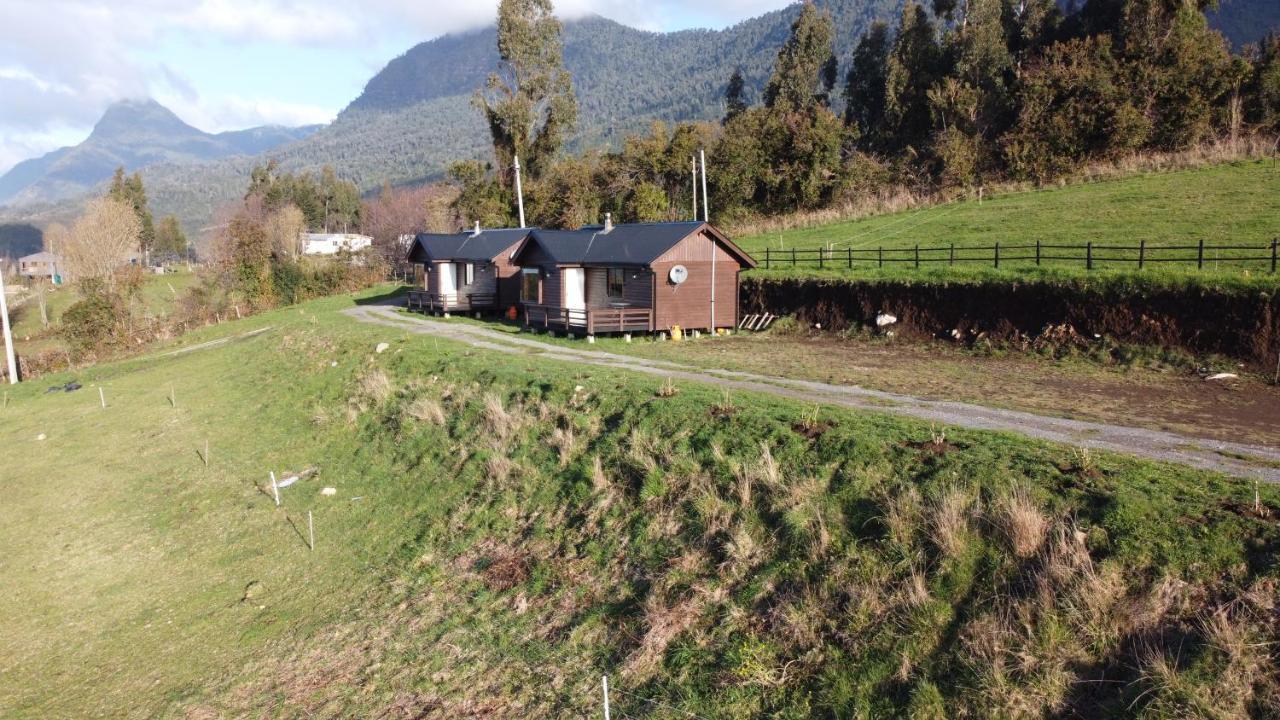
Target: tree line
<point x="957" y="95"/>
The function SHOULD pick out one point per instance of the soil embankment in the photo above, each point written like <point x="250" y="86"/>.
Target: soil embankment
<point x="1242" y="322"/>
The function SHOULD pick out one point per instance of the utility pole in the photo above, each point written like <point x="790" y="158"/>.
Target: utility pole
<point x="706" y="217"/>
<point x="694" y="161"/>
<point x="519" y="190"/>
<point x="8" y="335"/>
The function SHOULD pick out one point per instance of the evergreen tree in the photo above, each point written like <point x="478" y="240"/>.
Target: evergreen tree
<point x="1262" y="89"/>
<point x="129" y="190"/>
<point x="734" y="96"/>
<point x="170" y="240"/>
<point x="864" y="88"/>
<point x="913" y="67"/>
<point x="528" y="103"/>
<point x="798" y="78"/>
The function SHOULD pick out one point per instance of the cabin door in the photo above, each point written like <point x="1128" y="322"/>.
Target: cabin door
<point x="448" y="275"/>
<point x="575" y="292"/>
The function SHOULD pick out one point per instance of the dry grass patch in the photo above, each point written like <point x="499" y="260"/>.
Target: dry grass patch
<point x="427" y="410"/>
<point x="950" y="522"/>
<point x="1021" y="521"/>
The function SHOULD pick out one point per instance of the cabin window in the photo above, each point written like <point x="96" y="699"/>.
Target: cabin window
<point x="616" y="279"/>
<point x="470" y="273"/>
<point x="530" y="285"/>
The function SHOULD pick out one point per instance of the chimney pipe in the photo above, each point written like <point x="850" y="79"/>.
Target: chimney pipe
<point x="608" y="223"/>
<point x="477" y="230"/>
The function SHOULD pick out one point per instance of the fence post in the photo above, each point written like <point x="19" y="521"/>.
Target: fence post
<point x="997" y="255"/>
<point x="951" y="258"/>
<point x="1200" y="255"/>
<point x="917" y="256"/>
<point x="1142" y="253"/>
<point x="880" y="255"/>
<point x="1037" y="251"/>
<point x="766" y="258"/>
<point x="822" y="257"/>
<point x="793" y="257"/>
<point x="1274" y="243"/>
<point x="1088" y="256"/>
<point x="850" y="251"/>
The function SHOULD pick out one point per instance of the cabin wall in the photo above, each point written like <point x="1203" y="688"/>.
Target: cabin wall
<point x="536" y="257"/>
<point x="508" y="279"/>
<point x="637" y="288"/>
<point x="689" y="304"/>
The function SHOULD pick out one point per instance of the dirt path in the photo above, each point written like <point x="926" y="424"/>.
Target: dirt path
<point x="1242" y="460"/>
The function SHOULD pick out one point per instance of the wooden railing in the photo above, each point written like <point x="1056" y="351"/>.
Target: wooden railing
<point x="427" y="301"/>
<point x="589" y="320"/>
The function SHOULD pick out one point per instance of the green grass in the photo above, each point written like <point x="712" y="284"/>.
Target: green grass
<point x="507" y="529"/>
<point x="157" y="297"/>
<point x="1230" y="204"/>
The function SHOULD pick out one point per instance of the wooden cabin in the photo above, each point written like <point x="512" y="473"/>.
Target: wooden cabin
<point x="642" y="277"/>
<point x="466" y="272"/>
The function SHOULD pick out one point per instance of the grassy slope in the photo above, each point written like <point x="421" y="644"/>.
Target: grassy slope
<point x="157" y="297"/>
<point x="488" y="569"/>
<point x="1225" y="204"/>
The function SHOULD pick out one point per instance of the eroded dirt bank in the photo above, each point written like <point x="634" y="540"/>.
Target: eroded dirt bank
<point x="1241" y="323"/>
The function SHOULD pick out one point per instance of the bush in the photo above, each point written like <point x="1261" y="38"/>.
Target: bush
<point x="93" y="324"/>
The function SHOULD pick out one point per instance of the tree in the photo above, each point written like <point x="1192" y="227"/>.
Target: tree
<point x="734" y="96"/>
<point x="481" y="198"/>
<point x="130" y="191"/>
<point x="170" y="240"/>
<point x="284" y="229"/>
<point x="396" y="212"/>
<point x="864" y="88"/>
<point x="528" y="103"/>
<point x="1262" y="90"/>
<point x="799" y="75"/>
<point x="914" y="66"/>
<point x="100" y="243"/>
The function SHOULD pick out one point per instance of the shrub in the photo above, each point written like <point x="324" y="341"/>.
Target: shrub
<point x="93" y="324"/>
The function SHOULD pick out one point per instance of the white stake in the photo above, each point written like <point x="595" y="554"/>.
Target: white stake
<point x="275" y="489"/>
<point x="102" y="398"/>
<point x="605" y="682"/>
<point x="8" y="335"/>
<point x="311" y="531"/>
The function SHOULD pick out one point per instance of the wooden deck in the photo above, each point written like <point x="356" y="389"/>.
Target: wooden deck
<point x="590" y="320"/>
<point x="429" y="302"/>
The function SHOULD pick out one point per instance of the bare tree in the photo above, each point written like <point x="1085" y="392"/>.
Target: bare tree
<point x="397" y="212"/>
<point x="101" y="242"/>
<point x="284" y="229"/>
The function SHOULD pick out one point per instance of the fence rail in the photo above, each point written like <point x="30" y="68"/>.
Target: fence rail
<point x="1090" y="255"/>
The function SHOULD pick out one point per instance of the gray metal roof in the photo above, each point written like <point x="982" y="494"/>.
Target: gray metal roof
<point x="42" y="256"/>
<point x="465" y="246"/>
<point x="627" y="244"/>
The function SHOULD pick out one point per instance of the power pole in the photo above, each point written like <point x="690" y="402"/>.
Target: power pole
<point x="8" y="335"/>
<point x="519" y="190"/>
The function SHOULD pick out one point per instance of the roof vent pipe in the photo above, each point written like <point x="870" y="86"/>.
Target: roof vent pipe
<point x="608" y="223"/>
<point x="477" y="230"/>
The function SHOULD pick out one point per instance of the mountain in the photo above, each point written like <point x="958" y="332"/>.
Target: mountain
<point x="132" y="134"/>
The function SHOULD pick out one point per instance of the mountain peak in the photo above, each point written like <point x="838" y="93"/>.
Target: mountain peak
<point x="138" y="119"/>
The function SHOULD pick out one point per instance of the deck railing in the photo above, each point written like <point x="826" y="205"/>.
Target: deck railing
<point x="589" y="320"/>
<point x="427" y="301"/>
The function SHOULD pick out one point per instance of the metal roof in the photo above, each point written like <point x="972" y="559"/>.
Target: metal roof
<point x="626" y="244"/>
<point x="466" y="245"/>
<point x="42" y="256"/>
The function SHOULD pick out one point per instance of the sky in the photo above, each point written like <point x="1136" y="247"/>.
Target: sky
<point x="231" y="64"/>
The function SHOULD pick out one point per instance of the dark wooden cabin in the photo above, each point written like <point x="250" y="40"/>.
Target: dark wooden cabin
<point x="467" y="271"/>
<point x="641" y="277"/>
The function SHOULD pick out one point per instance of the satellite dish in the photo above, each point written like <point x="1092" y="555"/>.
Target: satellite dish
<point x="678" y="274"/>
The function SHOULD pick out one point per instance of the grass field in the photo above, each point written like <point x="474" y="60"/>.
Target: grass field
<point x="1231" y="204"/>
<point x="505" y="530"/>
<point x="157" y="297"/>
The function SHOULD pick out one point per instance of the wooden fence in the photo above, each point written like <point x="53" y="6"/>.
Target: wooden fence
<point x="1090" y="255"/>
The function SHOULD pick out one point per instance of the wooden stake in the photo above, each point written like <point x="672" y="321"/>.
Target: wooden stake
<point x="173" y="397"/>
<point x="237" y="312"/>
<point x="311" y="531"/>
<point x="102" y="398"/>
<point x="275" y="489"/>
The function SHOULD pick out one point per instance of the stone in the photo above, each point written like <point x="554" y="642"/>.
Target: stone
<point x="382" y="347"/>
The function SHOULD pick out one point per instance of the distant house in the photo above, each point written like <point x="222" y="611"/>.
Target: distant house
<point x="466" y="271"/>
<point x="630" y="278"/>
<point x="39" y="265"/>
<point x="334" y="243"/>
